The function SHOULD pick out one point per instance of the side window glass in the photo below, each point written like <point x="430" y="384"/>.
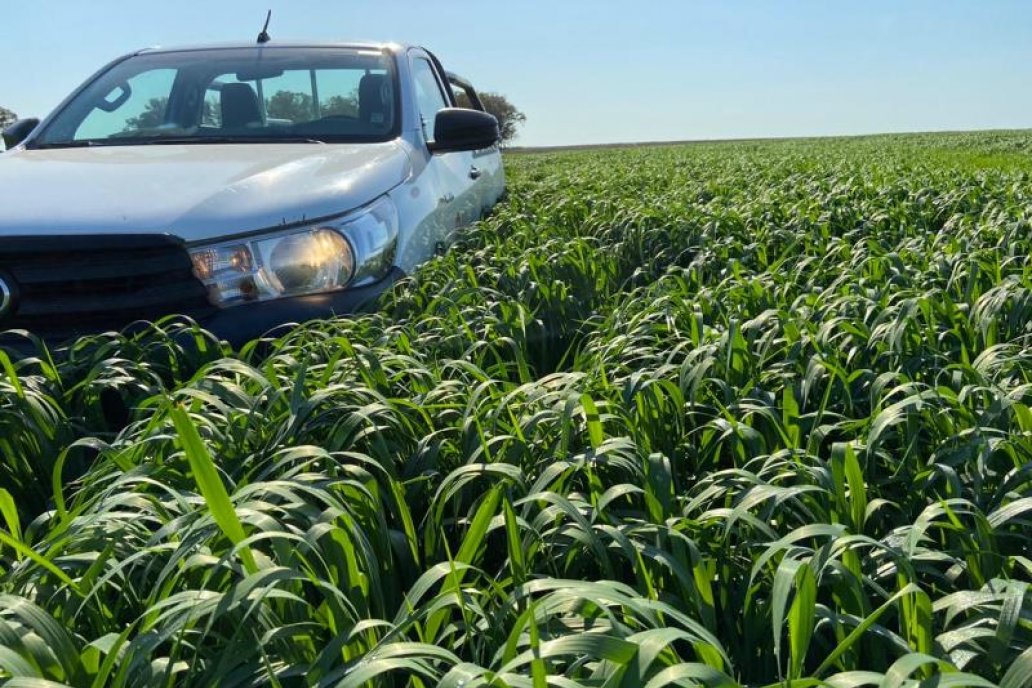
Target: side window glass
<point x="288" y="98"/>
<point x="132" y="107"/>
<point x="355" y="100"/>
<point x="339" y="92"/>
<point x="211" y="114"/>
<point x="428" y="95"/>
<point x="362" y="98"/>
<point x="281" y="100"/>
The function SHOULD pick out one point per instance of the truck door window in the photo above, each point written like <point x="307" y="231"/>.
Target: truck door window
<point x="428" y="95"/>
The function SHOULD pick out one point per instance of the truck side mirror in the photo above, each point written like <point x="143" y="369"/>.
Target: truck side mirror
<point x="19" y="131"/>
<point x="459" y="129"/>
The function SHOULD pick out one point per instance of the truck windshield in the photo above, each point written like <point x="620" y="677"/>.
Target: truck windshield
<point x="234" y="95"/>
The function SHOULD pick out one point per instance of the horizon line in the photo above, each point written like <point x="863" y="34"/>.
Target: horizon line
<point x="747" y="139"/>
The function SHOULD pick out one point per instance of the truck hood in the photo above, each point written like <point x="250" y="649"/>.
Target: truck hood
<point x="197" y="192"/>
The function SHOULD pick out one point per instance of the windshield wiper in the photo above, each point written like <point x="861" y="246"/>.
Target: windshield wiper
<point x="175" y="140"/>
<point x="84" y="143"/>
<point x="179" y="140"/>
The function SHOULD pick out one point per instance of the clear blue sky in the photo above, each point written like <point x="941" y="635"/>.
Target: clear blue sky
<point x="594" y="71"/>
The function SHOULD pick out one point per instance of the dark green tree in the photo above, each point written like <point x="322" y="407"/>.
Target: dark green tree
<point x="508" y="116"/>
<point x="7" y="117"/>
<point x="340" y="105"/>
<point x="291" y="105"/>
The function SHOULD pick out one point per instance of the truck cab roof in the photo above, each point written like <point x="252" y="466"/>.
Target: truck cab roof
<point x="393" y="48"/>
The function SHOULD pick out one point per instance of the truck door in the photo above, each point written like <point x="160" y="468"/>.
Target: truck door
<point x="457" y="203"/>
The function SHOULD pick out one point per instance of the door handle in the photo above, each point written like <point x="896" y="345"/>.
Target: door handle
<point x="475" y="172"/>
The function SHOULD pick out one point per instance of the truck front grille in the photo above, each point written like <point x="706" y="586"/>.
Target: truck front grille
<point x="63" y="286"/>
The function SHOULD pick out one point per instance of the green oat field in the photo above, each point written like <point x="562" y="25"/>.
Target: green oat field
<point x="747" y="413"/>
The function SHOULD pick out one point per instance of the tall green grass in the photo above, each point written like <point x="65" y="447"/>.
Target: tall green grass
<point x="715" y="415"/>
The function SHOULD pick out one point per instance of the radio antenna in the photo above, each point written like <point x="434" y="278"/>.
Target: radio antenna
<point x="264" y="36"/>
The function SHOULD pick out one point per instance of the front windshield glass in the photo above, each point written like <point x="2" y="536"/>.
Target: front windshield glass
<point x="240" y="95"/>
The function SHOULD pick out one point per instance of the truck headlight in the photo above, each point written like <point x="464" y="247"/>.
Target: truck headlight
<point x="309" y="261"/>
<point x="352" y="251"/>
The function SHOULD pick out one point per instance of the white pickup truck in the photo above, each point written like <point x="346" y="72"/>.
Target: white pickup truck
<point x="246" y="186"/>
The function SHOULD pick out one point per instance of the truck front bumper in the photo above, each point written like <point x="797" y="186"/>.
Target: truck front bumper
<point x="241" y="324"/>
